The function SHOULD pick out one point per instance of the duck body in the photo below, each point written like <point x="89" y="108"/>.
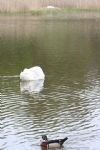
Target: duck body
<point x="56" y="143"/>
<point x="34" y="73"/>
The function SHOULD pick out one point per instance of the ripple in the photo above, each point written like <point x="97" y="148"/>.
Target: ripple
<point x="58" y="112"/>
<point x="9" y="76"/>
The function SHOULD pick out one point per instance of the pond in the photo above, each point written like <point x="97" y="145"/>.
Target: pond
<point x="67" y="103"/>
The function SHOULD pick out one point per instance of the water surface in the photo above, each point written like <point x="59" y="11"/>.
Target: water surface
<point x="67" y="103"/>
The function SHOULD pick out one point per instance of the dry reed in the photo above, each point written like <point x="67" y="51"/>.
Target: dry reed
<point x="28" y="5"/>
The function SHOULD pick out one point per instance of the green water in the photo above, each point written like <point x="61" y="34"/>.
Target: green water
<point x="68" y="51"/>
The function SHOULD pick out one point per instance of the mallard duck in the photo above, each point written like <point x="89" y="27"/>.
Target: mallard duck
<point x="52" y="143"/>
<point x="34" y="73"/>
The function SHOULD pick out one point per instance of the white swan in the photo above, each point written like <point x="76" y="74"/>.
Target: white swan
<point x="50" y="7"/>
<point x="34" y="73"/>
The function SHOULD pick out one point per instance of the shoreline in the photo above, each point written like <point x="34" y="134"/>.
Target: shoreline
<point x="57" y="13"/>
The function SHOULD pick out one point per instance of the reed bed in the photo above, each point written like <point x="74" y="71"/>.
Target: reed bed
<point x="30" y="5"/>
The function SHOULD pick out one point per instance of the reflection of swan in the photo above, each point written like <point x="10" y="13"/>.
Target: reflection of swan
<point x="34" y="73"/>
<point x="31" y="86"/>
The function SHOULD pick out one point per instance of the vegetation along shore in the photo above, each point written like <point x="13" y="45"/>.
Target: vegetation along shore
<point x="42" y="6"/>
<point x="60" y="9"/>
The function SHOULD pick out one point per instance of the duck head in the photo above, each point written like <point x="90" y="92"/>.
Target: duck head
<point x="44" y="137"/>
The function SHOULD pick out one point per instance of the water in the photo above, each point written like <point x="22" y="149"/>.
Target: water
<point x="67" y="103"/>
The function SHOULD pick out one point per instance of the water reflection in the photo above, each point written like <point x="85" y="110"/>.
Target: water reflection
<point x="31" y="87"/>
<point x="68" y="104"/>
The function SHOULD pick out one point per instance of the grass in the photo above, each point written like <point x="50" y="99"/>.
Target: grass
<point x="53" y="11"/>
<point x="57" y="11"/>
<point x="45" y="11"/>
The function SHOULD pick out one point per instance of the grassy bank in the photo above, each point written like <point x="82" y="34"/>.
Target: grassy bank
<point x="62" y="11"/>
<point x="66" y="13"/>
<point x="53" y="12"/>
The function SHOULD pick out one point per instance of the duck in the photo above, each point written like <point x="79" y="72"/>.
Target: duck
<point x="33" y="73"/>
<point x="55" y="143"/>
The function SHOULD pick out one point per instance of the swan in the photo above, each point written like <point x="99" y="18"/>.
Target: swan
<point x="34" y="73"/>
<point x="50" y="7"/>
